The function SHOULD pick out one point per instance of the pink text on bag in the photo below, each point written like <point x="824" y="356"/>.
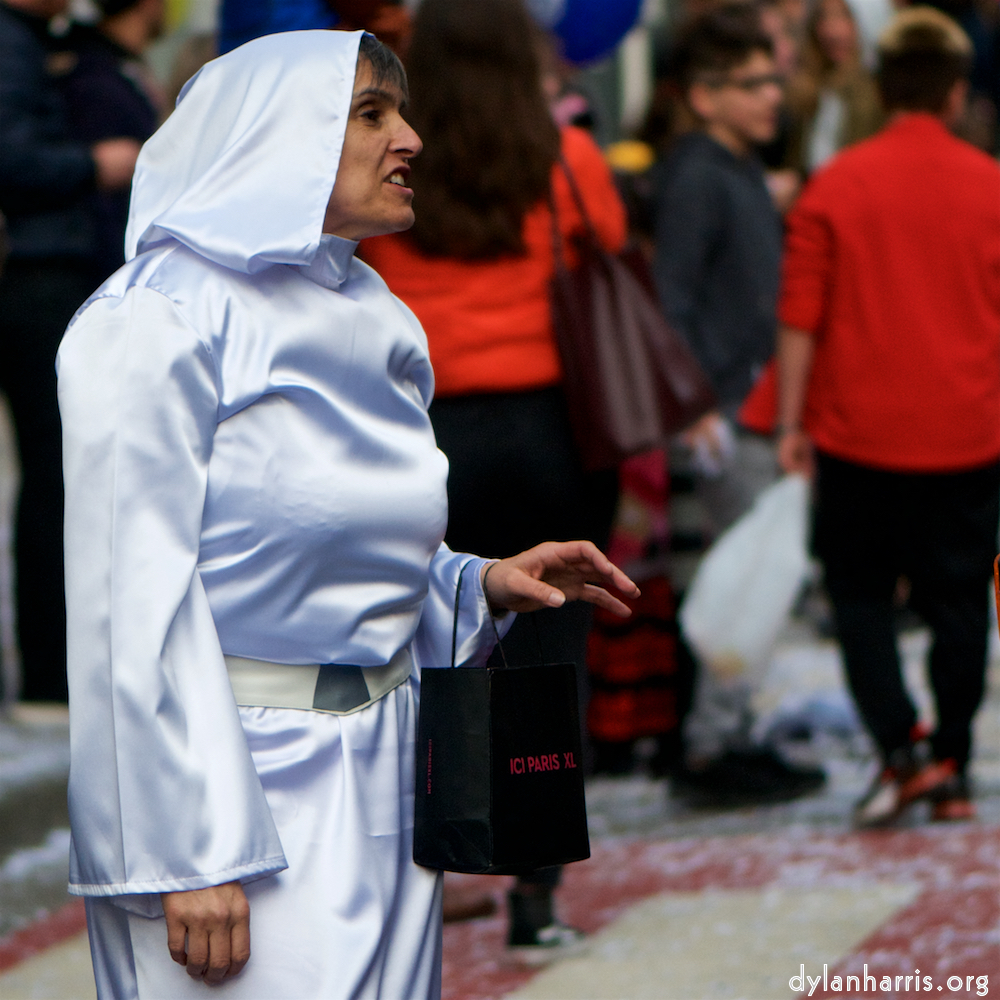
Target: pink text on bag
<point x="543" y="762"/>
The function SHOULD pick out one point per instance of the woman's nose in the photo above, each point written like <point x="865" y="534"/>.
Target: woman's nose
<point x="407" y="140"/>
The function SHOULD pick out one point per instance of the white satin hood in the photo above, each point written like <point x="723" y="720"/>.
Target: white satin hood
<point x="242" y="171"/>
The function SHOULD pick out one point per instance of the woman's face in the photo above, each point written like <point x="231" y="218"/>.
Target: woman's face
<point x="370" y="196"/>
<point x="836" y="32"/>
<point x="786" y="50"/>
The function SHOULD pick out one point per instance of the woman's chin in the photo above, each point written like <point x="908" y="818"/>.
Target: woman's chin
<point x="398" y="224"/>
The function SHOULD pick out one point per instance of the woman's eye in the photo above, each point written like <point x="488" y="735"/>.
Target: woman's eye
<point x="372" y="114"/>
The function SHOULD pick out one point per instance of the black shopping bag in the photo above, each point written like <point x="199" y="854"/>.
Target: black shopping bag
<point x="499" y="782"/>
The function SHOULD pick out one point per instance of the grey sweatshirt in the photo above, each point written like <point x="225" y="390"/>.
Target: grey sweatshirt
<point x="718" y="258"/>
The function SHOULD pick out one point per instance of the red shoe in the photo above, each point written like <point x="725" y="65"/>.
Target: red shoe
<point x="953" y="802"/>
<point x="928" y="782"/>
<point x="911" y="775"/>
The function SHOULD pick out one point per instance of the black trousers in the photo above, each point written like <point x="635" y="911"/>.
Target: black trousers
<point x="938" y="529"/>
<point x="516" y="480"/>
<point x="37" y="299"/>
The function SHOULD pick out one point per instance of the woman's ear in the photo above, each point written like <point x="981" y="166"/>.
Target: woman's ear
<point x="700" y="98"/>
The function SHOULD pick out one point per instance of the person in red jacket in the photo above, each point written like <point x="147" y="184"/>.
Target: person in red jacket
<point x="889" y="389"/>
<point x="475" y="269"/>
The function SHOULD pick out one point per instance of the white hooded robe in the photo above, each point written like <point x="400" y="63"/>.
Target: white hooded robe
<point x="250" y="470"/>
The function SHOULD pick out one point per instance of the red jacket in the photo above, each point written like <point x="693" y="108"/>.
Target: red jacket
<point x="893" y="264"/>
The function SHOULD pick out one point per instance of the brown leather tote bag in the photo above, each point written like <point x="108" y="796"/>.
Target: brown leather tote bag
<point x="630" y="381"/>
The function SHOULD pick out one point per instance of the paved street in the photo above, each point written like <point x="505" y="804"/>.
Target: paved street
<point x="679" y="903"/>
<point x="682" y="904"/>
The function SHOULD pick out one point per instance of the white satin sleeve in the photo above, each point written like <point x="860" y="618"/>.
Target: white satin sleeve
<point x="475" y="636"/>
<point x="163" y="792"/>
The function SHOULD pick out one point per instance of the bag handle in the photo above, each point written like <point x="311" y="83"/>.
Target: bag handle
<point x="493" y="622"/>
<point x="557" y="237"/>
<point x="458" y="597"/>
<point x="454" y="626"/>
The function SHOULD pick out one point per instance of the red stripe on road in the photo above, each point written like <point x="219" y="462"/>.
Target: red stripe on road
<point x="944" y="932"/>
<point x="66" y="922"/>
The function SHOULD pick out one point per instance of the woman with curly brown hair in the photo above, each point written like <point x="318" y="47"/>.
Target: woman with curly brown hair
<point x="476" y="269"/>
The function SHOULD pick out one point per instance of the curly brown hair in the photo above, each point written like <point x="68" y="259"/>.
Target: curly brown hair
<point x="489" y="139"/>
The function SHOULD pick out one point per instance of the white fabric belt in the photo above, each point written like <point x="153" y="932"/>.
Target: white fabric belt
<point x="339" y="689"/>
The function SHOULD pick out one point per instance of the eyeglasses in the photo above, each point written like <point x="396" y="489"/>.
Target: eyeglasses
<point x="748" y="84"/>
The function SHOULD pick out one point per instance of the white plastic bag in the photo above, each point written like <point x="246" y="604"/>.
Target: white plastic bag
<point x="747" y="582"/>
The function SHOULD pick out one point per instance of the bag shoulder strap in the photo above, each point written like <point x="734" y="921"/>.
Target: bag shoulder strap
<point x="559" y="261"/>
<point x="557" y="237"/>
<point x="578" y="198"/>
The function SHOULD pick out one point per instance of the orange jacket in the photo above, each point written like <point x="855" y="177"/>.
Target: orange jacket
<point x="488" y="322"/>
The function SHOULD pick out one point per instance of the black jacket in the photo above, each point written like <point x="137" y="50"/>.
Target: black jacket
<point x="106" y="100"/>
<point x="718" y="259"/>
<point x="45" y="175"/>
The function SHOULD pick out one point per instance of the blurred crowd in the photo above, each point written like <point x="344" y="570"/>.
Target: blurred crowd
<point x="731" y="188"/>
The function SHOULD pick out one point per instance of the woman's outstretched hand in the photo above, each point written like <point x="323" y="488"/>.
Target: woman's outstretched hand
<point x="553" y="573"/>
<point x="208" y="930"/>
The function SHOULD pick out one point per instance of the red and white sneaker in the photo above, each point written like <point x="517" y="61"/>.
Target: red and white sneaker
<point x="912" y="774"/>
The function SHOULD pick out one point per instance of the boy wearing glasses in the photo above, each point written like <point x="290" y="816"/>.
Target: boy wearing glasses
<point x="718" y="255"/>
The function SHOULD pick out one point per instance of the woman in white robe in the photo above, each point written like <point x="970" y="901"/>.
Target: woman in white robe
<point x="252" y="483"/>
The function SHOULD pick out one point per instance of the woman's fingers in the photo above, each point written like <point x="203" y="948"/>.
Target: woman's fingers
<point x="176" y="938"/>
<point x="553" y="572"/>
<point x="197" y="952"/>
<point x="589" y="561"/>
<point x="607" y="575"/>
<point x="623" y="583"/>
<point x="208" y="930"/>
<point x="240" y="953"/>
<point x="579" y="565"/>
<point x="512" y="588"/>
<point x="600" y="597"/>
<point x="219" y="956"/>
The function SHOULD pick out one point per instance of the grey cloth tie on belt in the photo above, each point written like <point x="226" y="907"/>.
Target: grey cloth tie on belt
<point x="338" y="689"/>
